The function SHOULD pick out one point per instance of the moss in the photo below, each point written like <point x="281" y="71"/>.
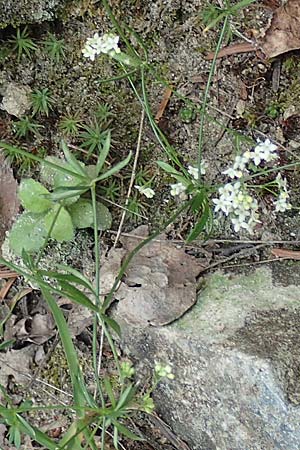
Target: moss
<point x="228" y="299"/>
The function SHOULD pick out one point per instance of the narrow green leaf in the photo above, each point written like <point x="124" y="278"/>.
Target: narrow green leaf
<point x="6" y="344"/>
<point x="69" y="349"/>
<point x="69" y="278"/>
<point x="114" y="169"/>
<point x="109" y="391"/>
<point x="77" y="274"/>
<point x="123" y="430"/>
<point x="126" y="396"/>
<point x="112" y="324"/>
<point x="29" y="429"/>
<point x="103" y="154"/>
<point x="72" y="160"/>
<point x="197" y="201"/>
<point x="200" y="225"/>
<point x="28" y="260"/>
<point x="168" y="168"/>
<point x="115" y="438"/>
<point x="77" y="296"/>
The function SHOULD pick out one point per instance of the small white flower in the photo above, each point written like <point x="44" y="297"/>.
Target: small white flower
<point x="264" y="151"/>
<point x="194" y="170"/>
<point x="240" y="162"/>
<point x="233" y="173"/>
<point x="222" y="204"/>
<point x="281" y="182"/>
<point x="177" y="189"/>
<point x="89" y="52"/>
<point x="108" y="44"/>
<point x="282" y="204"/>
<point x="148" y="192"/>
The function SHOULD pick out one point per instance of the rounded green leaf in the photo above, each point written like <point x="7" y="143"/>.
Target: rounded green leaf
<point x="63" y="229"/>
<point x="32" y="195"/>
<point x="103" y="217"/>
<point x="28" y="233"/>
<point x="82" y="213"/>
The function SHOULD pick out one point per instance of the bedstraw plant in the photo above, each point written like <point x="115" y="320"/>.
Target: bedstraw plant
<point x="70" y="182"/>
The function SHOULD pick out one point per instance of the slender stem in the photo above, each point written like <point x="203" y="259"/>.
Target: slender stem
<point x="97" y="289"/>
<point x="117" y="26"/>
<point x="205" y="97"/>
<point x="132" y="178"/>
<point x="96" y="244"/>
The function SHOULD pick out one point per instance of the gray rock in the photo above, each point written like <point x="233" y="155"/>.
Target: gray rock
<point x="236" y="360"/>
<point x="27" y="11"/>
<point x="16" y="100"/>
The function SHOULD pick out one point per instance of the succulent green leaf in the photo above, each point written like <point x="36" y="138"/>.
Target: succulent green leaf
<point x="28" y="233"/>
<point x="82" y="213"/>
<point x="63" y="229"/>
<point x="33" y="196"/>
<point x="104" y="218"/>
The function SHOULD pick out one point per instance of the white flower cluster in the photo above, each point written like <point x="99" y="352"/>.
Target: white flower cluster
<point x="108" y="44"/>
<point x="281" y="203"/>
<point x="234" y="199"/>
<point x="179" y="189"/>
<point x="263" y="152"/>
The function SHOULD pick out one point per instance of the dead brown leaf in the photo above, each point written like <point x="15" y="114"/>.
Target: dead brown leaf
<point x="9" y="202"/>
<point x="286" y="254"/>
<point x="233" y="49"/>
<point x="163" y="104"/>
<point x="16" y="363"/>
<point x="283" y="35"/>
<point x="160" y="282"/>
<point x="38" y="329"/>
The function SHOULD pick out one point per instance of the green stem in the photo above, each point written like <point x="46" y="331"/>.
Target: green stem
<point x="205" y="97"/>
<point x="97" y="289"/>
<point x="117" y="26"/>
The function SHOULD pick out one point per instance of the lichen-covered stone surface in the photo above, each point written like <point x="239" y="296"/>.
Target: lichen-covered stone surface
<point x="235" y="356"/>
<point x="14" y="12"/>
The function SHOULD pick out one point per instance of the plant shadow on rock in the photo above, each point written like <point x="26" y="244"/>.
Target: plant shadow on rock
<point x="274" y="336"/>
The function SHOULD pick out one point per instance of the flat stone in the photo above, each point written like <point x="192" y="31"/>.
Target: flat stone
<point x="235" y="356"/>
<point x="16" y="100"/>
<point x="14" y="12"/>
